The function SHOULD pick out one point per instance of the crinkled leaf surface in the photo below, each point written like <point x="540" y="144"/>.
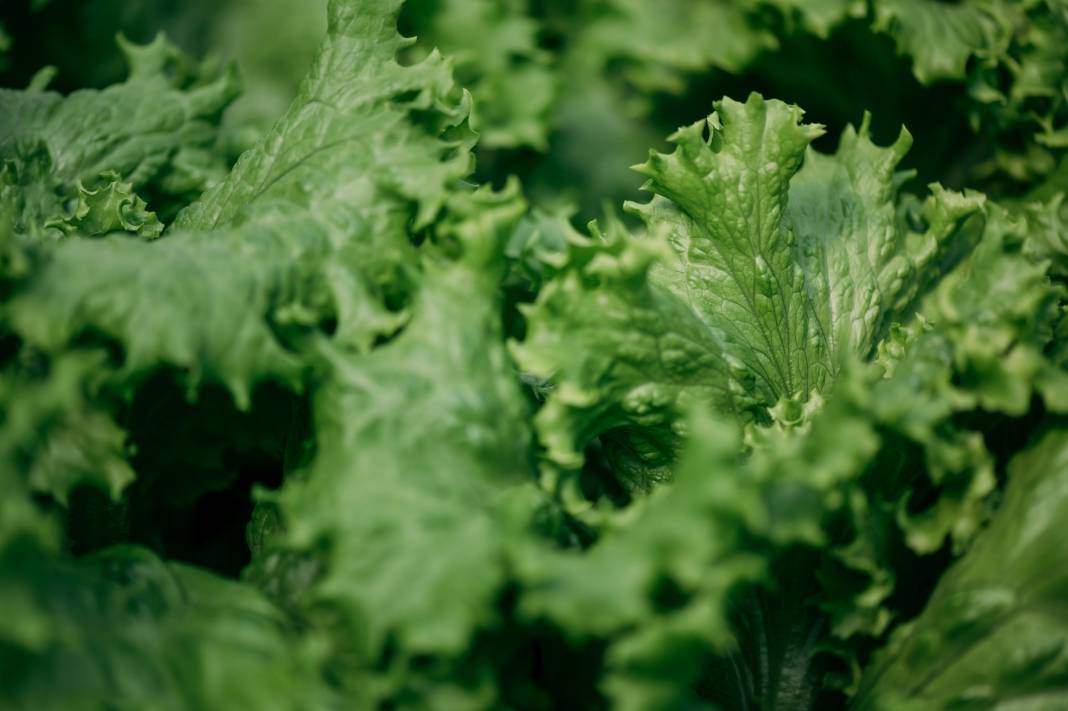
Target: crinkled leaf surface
<point x="773" y="272"/>
<point x="141" y="130"/>
<point x="411" y="540"/>
<point x="329" y="240"/>
<point x="993" y="632"/>
<point x="352" y="113"/>
<point x="664" y="42"/>
<point x="846" y="368"/>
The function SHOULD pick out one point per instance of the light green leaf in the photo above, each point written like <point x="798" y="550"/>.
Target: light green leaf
<point x="424" y="467"/>
<point x="334" y="187"/>
<point x="720" y="202"/>
<point x="769" y="274"/>
<point x="205" y="304"/>
<point x="110" y="206"/>
<point x="795" y="266"/>
<point x="662" y="43"/>
<point x="941" y="37"/>
<point x="621" y="351"/>
<point x="123" y="629"/>
<point x="493" y="46"/>
<point x="139" y="129"/>
<point x="349" y="135"/>
<point x="993" y="633"/>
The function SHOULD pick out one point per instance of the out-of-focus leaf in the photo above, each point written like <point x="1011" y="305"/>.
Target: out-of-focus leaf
<point x="123" y="629"/>
<point x="993" y="633"/>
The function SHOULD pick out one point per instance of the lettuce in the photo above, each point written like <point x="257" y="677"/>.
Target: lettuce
<point x="353" y="421"/>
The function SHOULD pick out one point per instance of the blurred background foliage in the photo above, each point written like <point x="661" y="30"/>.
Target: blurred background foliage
<point x="569" y="94"/>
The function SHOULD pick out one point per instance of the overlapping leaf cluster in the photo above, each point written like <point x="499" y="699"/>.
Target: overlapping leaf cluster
<point x="1003" y="63"/>
<point x="335" y="426"/>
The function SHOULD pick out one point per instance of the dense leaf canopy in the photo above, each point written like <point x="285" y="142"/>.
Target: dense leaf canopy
<point x="314" y="394"/>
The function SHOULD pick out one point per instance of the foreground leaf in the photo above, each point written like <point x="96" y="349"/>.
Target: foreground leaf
<point x="993" y="633"/>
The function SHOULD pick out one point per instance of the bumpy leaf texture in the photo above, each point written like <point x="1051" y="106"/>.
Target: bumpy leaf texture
<point x="235" y="294"/>
<point x="794" y="442"/>
<point x="775" y="273"/>
<point x="993" y="631"/>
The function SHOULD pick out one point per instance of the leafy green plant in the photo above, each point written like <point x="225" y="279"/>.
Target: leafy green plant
<point x="363" y="419"/>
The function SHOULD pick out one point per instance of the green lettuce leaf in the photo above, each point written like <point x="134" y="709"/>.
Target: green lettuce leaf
<point x="774" y="272"/>
<point x="792" y="271"/>
<point x="663" y="579"/>
<point x="207" y="305"/>
<point x="123" y="629"/>
<point x="941" y="38"/>
<point x="145" y="130"/>
<point x="110" y="206"/>
<point x="992" y="635"/>
<point x="662" y="44"/>
<point x="494" y="50"/>
<point x="55" y="436"/>
<point x="391" y="533"/>
<point x="352" y="114"/>
<point x="851" y="502"/>
<point x="329" y="241"/>
<point x="762" y="450"/>
<point x="271" y="72"/>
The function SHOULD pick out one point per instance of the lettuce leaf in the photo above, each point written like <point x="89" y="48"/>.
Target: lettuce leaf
<point x="776" y="272"/>
<point x="127" y="630"/>
<point x="768" y="440"/>
<point x="992" y="634"/>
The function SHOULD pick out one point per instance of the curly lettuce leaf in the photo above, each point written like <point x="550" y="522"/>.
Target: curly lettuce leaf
<point x="288" y="267"/>
<point x="348" y="136"/>
<point x="411" y="546"/>
<point x="661" y="44"/>
<point x="407" y="509"/>
<point x="109" y="206"/>
<point x="495" y="54"/>
<point x="318" y="229"/>
<point x="55" y="436"/>
<point x="271" y="72"/>
<point x="934" y="484"/>
<point x="941" y="37"/>
<point x="910" y="478"/>
<point x="661" y="582"/>
<point x="851" y="501"/>
<point x="207" y="304"/>
<point x="793" y="270"/>
<point x="639" y="353"/>
<point x="773" y="273"/>
<point x="992" y="634"/>
<point x="145" y="130"/>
